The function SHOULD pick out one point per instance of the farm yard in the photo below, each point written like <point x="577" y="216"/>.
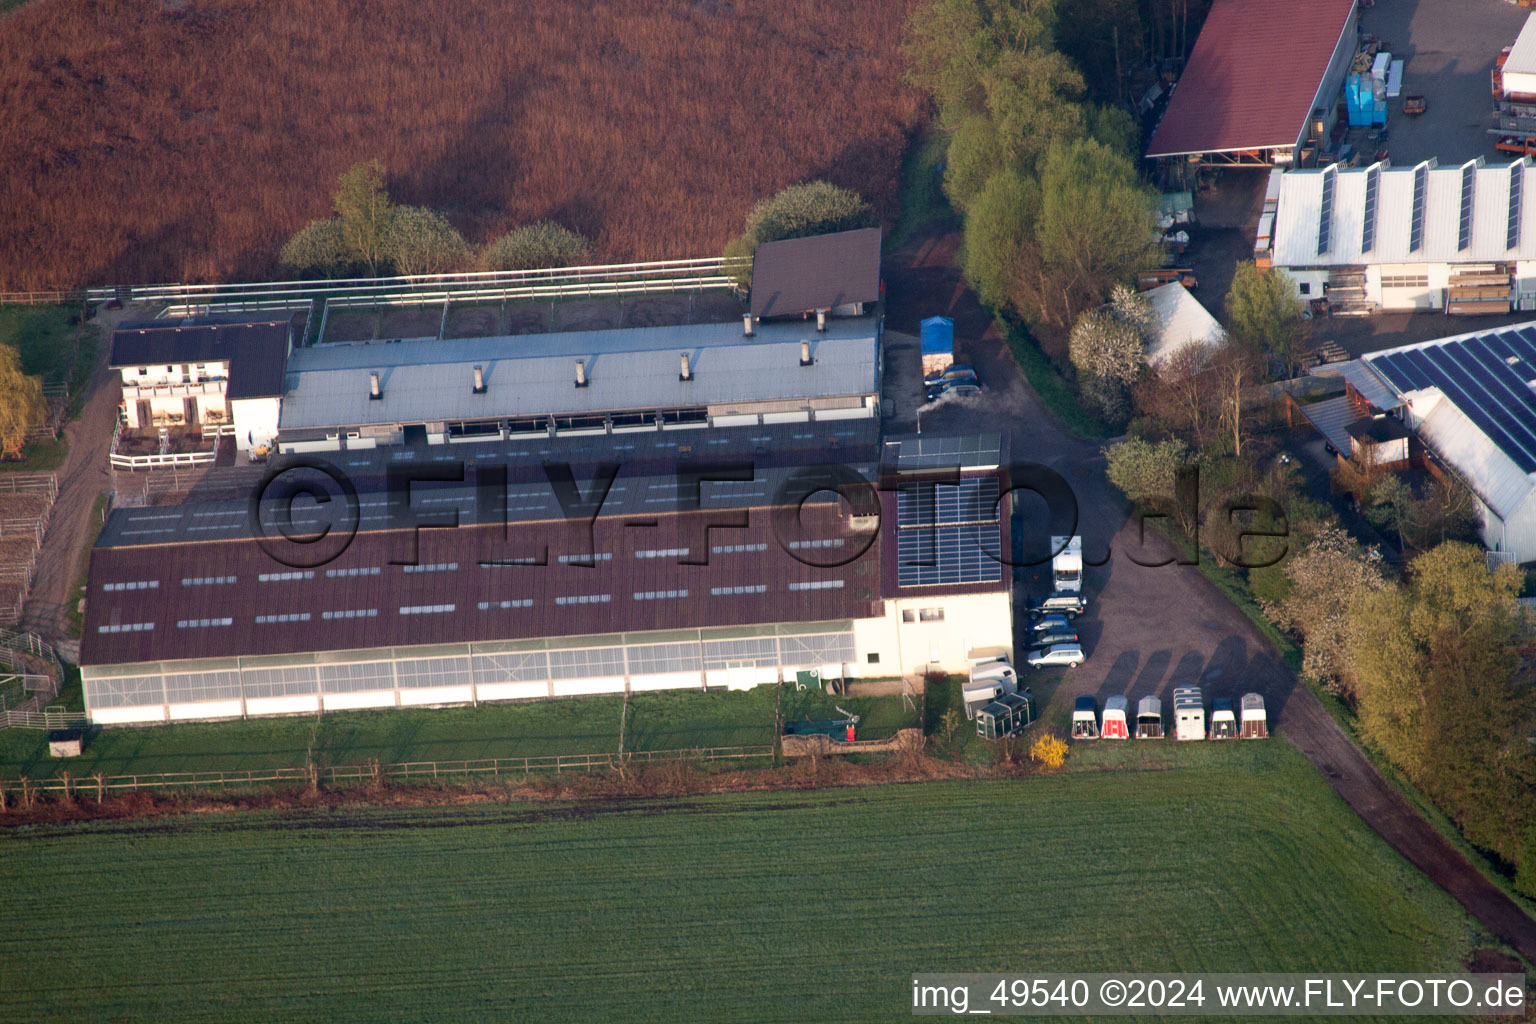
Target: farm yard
<point x="743" y="907"/>
<point x="626" y="121"/>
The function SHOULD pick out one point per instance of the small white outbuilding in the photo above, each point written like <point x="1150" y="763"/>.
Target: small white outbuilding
<point x="1180" y="321"/>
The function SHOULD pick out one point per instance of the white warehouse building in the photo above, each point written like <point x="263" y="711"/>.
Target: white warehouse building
<point x="1459" y="239"/>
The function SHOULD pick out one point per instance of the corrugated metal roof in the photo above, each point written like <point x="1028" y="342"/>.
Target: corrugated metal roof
<point x="1181" y="321"/>
<point x="1252" y="76"/>
<point x="1297" y="221"/>
<point x="530" y="375"/>
<point x="1364" y="380"/>
<point x="817" y="272"/>
<point x="1491" y="474"/>
<point x="1522" y="56"/>
<point x="255" y="350"/>
<point x="1332" y="418"/>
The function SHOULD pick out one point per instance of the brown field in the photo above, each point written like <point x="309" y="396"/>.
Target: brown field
<point x="150" y="140"/>
<point x="23" y="505"/>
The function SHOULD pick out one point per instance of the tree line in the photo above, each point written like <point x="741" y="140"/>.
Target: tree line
<point x="371" y="234"/>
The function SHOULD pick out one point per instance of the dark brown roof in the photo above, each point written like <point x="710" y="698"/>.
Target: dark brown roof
<point x="1378" y="429"/>
<point x="257" y="351"/>
<point x="1252" y="76"/>
<point x="620" y="575"/>
<point x="820" y="272"/>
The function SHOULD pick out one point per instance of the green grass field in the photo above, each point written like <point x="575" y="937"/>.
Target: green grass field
<point x="660" y="721"/>
<point x="771" y="906"/>
<point x="45" y="340"/>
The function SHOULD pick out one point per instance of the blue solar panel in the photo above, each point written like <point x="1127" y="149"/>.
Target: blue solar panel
<point x="1502" y="345"/>
<point x="1416" y="226"/>
<point x="1523" y="341"/>
<point x="1476" y="402"/>
<point x="1368" y="222"/>
<point x="1397" y="370"/>
<point x="969" y="501"/>
<point x="1325" y="211"/>
<point x="1468" y="184"/>
<point x="1516" y="185"/>
<point x="958" y="554"/>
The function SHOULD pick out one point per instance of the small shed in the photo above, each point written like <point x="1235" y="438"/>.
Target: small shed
<point x="1382" y="439"/>
<point x="1149" y="719"/>
<point x="1085" y="725"/>
<point x="938" y="344"/>
<point x="1005" y="716"/>
<point x="1188" y="713"/>
<point x="66" y="742"/>
<point x="1115" y="726"/>
<point x="1255" y="724"/>
<point x="1223" y="721"/>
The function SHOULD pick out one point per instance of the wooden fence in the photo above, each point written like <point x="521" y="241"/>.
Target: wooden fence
<point x="417" y="770"/>
<point x="48" y="718"/>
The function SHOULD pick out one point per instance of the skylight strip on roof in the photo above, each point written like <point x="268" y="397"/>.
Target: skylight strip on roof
<point x="1325" y="211"/>
<point x="1468" y="185"/>
<point x="1416" y="224"/>
<point x="1516" y="187"/>
<point x="1368" y="222"/>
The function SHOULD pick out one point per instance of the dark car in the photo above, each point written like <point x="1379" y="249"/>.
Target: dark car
<point x="959" y="371"/>
<point x="1051" y="640"/>
<point x="954" y="387"/>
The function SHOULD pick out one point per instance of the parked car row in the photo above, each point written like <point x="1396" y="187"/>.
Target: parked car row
<point x="1053" y="637"/>
<point x="959" y="379"/>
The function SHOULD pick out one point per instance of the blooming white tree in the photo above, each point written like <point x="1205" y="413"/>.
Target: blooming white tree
<point x="1108" y="346"/>
<point x="1329" y="572"/>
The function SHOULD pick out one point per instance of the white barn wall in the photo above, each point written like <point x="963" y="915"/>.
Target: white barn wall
<point x="282" y="705"/>
<point x="363" y="699"/>
<point x="578" y="687"/>
<point x="512" y="691"/>
<point x="206" y="709"/>
<point x="437" y="695"/>
<point x="970" y="620"/>
<point x="128" y="716"/>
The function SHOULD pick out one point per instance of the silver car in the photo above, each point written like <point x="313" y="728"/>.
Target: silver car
<point x="1070" y="655"/>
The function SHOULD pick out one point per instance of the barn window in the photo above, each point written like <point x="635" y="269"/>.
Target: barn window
<point x="874" y="657"/>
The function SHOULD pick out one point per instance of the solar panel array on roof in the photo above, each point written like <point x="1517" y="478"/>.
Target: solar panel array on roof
<point x="944" y="554"/>
<point x="1325" y="210"/>
<point x="947" y="533"/>
<point x="1416" y="225"/>
<point x="1368" y="222"/>
<point x="1516" y="184"/>
<point x="1468" y="184"/>
<point x="967" y="452"/>
<point x="1486" y="376"/>
<point x="969" y="501"/>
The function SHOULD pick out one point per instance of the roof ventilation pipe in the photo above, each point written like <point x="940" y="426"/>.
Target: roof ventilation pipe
<point x="746" y="325"/>
<point x="479" y="380"/>
<point x="805" y="354"/>
<point x="374" y="391"/>
<point x="821" y="319"/>
<point x="686" y="372"/>
<point x="581" y="373"/>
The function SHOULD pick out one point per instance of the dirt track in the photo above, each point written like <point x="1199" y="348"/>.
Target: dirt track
<point x="82" y="478"/>
<point x="1150" y="628"/>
